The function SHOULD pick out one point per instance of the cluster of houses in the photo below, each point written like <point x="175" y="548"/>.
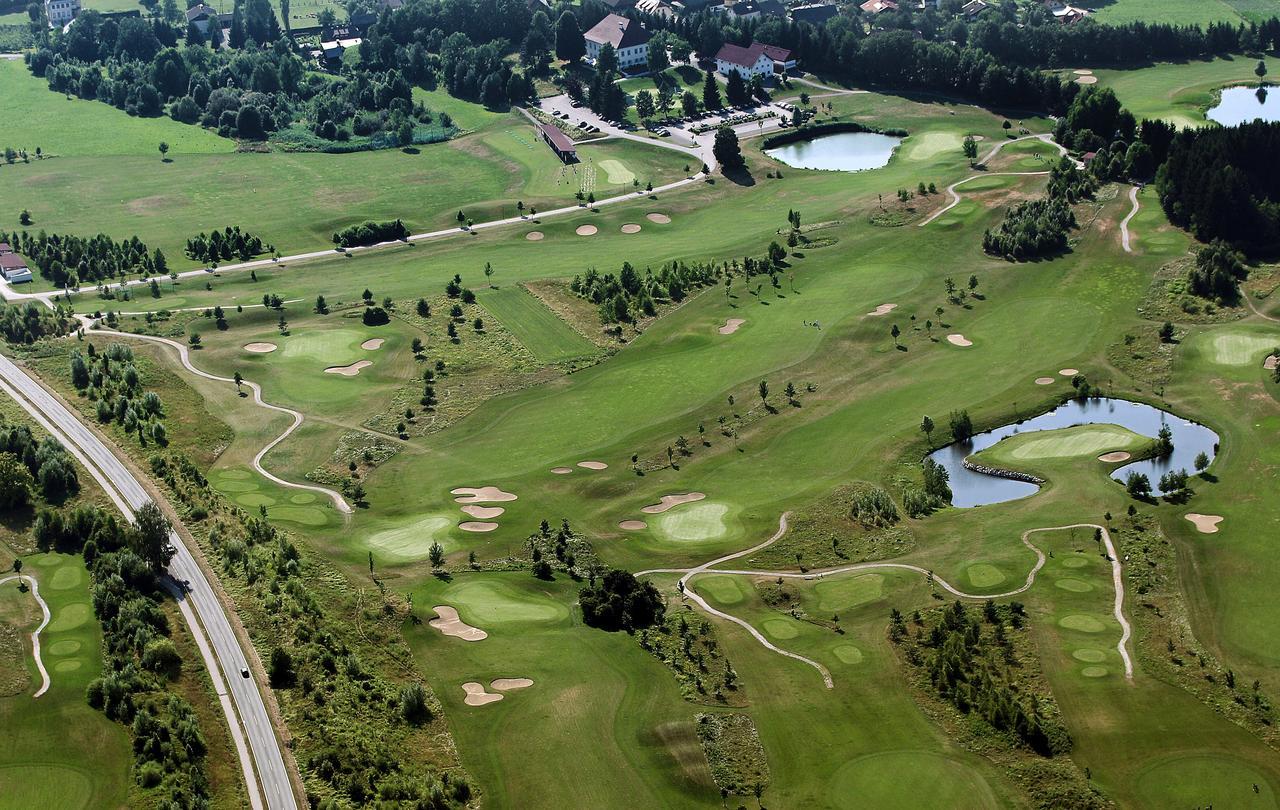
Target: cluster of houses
<point x="12" y="266"/>
<point x="814" y="13"/>
<point x="630" y="40"/>
<point x="1062" y="12"/>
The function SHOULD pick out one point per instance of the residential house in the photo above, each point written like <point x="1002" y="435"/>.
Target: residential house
<point x="61" y="12"/>
<point x="877" y="6"/>
<point x="1064" y="13"/>
<point x="560" y="143"/>
<point x="973" y="8"/>
<point x="628" y="38"/>
<point x="200" y="15"/>
<point x="757" y="59"/>
<point x="753" y="9"/>
<point x="814" y="13"/>
<point x="14" y="268"/>
<point x="662" y="8"/>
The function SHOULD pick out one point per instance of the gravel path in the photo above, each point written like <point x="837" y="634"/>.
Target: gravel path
<point x="1124" y="223"/>
<point x="35" y="634"/>
<point x="951" y="189"/>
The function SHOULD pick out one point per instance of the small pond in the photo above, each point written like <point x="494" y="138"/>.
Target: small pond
<point x="1240" y="105"/>
<point x="843" y="152"/>
<point x="971" y="488"/>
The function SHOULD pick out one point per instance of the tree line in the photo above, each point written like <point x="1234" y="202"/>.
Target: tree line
<point x="230" y="243"/>
<point x="68" y="260"/>
<point x="629" y="295"/>
<point x="29" y="322"/>
<point x="31" y="468"/>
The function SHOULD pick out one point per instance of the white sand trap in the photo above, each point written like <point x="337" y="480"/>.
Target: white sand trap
<point x="451" y="625"/>
<point x="633" y="525"/>
<point x="978" y="137"/>
<point x="661" y="219"/>
<point x="1270" y="363"/>
<point x="477" y="696"/>
<point x="260" y="348"/>
<point x="1087" y="80"/>
<point x="483" y="512"/>
<point x="1068" y="372"/>
<point x="587" y="230"/>
<point x="1083" y="72"/>
<point x="507" y="684"/>
<point x="482" y="495"/>
<point x="731" y="326"/>
<point x="593" y="465"/>
<point x="669" y="501"/>
<point x="1207" y="524"/>
<point x="561" y="470"/>
<point x="348" y="371"/>
<point x="883" y="309"/>
<point x="1044" y="381"/>
<point x="373" y="344"/>
<point x="959" y="340"/>
<point x="1114" y="456"/>
<point x="535" y="236"/>
<point x="631" y="227"/>
<point x="478" y="526"/>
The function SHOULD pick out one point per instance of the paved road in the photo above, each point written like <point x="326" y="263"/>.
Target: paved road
<point x="35" y="634"/>
<point x="213" y="631"/>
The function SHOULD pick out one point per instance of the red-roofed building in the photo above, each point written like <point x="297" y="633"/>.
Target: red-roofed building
<point x="757" y="59"/>
<point x="560" y="143"/>
<point x="14" y="268"/>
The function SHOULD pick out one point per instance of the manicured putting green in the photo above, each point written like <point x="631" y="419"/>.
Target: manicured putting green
<point x="727" y="590"/>
<point x="835" y="595"/>
<point x="69" y="576"/>
<point x="326" y="347"/>
<point x="847" y="653"/>
<point x="1094" y="672"/>
<point x="246" y="490"/>
<point x="1076" y="561"/>
<point x="909" y="779"/>
<point x="1083" y="440"/>
<point x="1204" y="780"/>
<point x="617" y="171"/>
<point x="70" y="665"/>
<point x="1073" y="585"/>
<point x="703" y="521"/>
<point x="1240" y="348"/>
<point x="1089" y="655"/>
<point x="412" y="541"/>
<point x="1082" y="623"/>
<point x="923" y="147"/>
<point x="70" y="617"/>
<point x="989" y="183"/>
<point x="780" y="628"/>
<point x="68" y="646"/>
<point x="984" y="575"/>
<point x="28" y="786"/>
<point x="486" y="603"/>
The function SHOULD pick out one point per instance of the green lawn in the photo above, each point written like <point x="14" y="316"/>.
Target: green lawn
<point x="1174" y="12"/>
<point x="538" y="328"/>
<point x="1182" y="92"/>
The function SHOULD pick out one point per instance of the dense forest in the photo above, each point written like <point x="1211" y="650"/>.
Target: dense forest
<point x="1038" y="228"/>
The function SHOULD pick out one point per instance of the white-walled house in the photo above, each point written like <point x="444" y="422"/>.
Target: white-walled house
<point x="757" y="60"/>
<point x="628" y="38"/>
<point x="61" y="12"/>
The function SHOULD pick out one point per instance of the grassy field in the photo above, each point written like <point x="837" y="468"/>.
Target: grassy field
<point x="1175" y="12"/>
<point x="1179" y="92"/>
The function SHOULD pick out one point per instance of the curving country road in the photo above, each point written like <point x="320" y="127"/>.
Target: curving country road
<point x="1124" y="223"/>
<point x="253" y="734"/>
<point x="185" y="357"/>
<point x="35" y="634"/>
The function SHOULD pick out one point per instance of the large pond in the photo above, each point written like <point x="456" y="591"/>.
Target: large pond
<point x="971" y="488"/>
<point x="844" y="152"/>
<point x="1241" y="105"/>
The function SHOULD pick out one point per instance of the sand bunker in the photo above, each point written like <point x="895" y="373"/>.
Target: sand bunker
<point x="373" y="344"/>
<point x="482" y="495"/>
<point x="883" y="309"/>
<point x="669" y="501"/>
<point x="507" y="684"/>
<point x="1069" y="372"/>
<point x="534" y="236"/>
<point x="483" y="512"/>
<point x="1207" y="524"/>
<point x="477" y="696"/>
<point x="348" y="371"/>
<point x="451" y="625"/>
<point x="561" y="470"/>
<point x="1114" y="456"/>
<point x="661" y="219"/>
<point x="260" y="348"/>
<point x="633" y="525"/>
<point x="1044" y="381"/>
<point x="1087" y="80"/>
<point x="1083" y="72"/>
<point x="479" y="526"/>
<point x="1270" y="363"/>
<point x="593" y="465"/>
<point x="586" y="230"/>
<point x="731" y="326"/>
<point x="959" y="340"/>
<point x="631" y="227"/>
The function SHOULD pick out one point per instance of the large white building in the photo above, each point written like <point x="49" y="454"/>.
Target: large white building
<point x="627" y="37"/>
<point x="757" y="60"/>
<point x="61" y="12"/>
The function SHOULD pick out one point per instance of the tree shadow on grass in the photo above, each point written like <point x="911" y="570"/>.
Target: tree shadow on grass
<point x="741" y="176"/>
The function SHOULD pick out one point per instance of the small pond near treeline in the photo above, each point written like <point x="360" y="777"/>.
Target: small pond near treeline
<point x="1240" y="105"/>
<point x="970" y="488"/>
<point x="843" y="151"/>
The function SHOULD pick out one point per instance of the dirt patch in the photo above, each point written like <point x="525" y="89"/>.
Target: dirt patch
<point x="478" y="526"/>
<point x="1044" y="381"/>
<point x="633" y="525"/>
<point x="631" y="227"/>
<point x="348" y="371"/>
<point x="507" y="684"/>
<point x="1087" y="80"/>
<point x="883" y="309"/>
<point x="561" y="470"/>
<point x="260" y="348"/>
<point x="669" y="501"/>
<point x="661" y="219"/>
<point x="373" y="344"/>
<point x="959" y="340"/>
<point x="535" y="236"/>
<point x="482" y="495"/>
<point x="587" y="230"/>
<point x="477" y="696"/>
<point x="1114" y="457"/>
<point x="731" y="326"/>
<point x="451" y="625"/>
<point x="1069" y="372"/>
<point x="593" y="465"/>
<point x="483" y="512"/>
<point x="1206" y="524"/>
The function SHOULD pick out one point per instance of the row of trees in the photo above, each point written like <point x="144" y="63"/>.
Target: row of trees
<point x="230" y="243"/>
<point x="30" y="467"/>
<point x="67" y="260"/>
<point x="370" y="233"/>
<point x="630" y="295"/>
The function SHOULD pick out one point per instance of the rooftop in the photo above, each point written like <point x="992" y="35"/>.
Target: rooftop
<point x="557" y="138"/>
<point x="747" y="57"/>
<point x="619" y="32"/>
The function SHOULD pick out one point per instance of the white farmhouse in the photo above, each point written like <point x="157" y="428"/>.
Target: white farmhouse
<point x="61" y="12"/>
<point x="757" y="60"/>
